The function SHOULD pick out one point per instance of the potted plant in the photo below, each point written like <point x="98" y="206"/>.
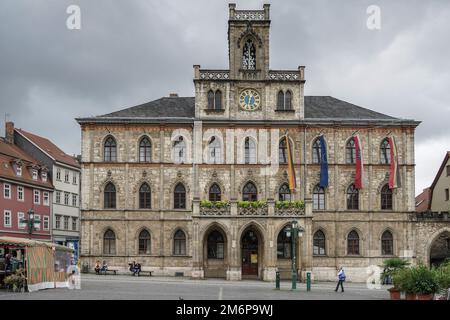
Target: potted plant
<point x="390" y="268"/>
<point x="403" y="283"/>
<point x="424" y="282"/>
<point x="443" y="280"/>
<point x="16" y="281"/>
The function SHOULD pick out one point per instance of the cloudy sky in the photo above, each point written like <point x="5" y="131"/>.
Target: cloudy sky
<point x="130" y="52"/>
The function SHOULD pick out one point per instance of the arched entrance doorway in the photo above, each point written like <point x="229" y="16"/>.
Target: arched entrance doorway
<point x="440" y="249"/>
<point x="251" y="253"/>
<point x="215" y="253"/>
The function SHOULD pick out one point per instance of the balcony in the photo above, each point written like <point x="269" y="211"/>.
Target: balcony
<point x="220" y="208"/>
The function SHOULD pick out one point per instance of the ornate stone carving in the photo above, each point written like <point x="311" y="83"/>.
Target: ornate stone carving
<point x="214" y="74"/>
<point x="280" y="75"/>
<point x="252" y="15"/>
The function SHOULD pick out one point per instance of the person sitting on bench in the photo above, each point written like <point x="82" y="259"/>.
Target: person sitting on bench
<point x="104" y="267"/>
<point x="97" y="267"/>
<point x="135" y="268"/>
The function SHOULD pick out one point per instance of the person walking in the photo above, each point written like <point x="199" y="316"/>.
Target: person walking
<point x="341" y="279"/>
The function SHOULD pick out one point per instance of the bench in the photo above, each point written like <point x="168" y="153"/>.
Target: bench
<point x="145" y="273"/>
<point x="108" y="271"/>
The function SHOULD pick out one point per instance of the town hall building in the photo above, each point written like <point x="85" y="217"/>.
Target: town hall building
<point x="210" y="186"/>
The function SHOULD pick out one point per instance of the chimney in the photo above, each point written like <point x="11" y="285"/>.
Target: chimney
<point x="173" y="95"/>
<point x="9" y="132"/>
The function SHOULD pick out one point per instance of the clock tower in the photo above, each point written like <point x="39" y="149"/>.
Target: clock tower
<point x="249" y="89"/>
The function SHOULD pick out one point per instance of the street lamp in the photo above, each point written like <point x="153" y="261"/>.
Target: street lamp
<point x="293" y="231"/>
<point x="31" y="221"/>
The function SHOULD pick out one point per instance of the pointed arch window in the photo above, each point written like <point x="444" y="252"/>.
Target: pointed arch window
<point x="145" y="197"/>
<point x="280" y="100"/>
<point x="215" y="100"/>
<point x="318" y="198"/>
<point x="352" y="198"/>
<point x="350" y="151"/>
<point x="179" y="197"/>
<point x="319" y="243"/>
<point x="179" y="243"/>
<point x="387" y="243"/>
<point x="353" y="243"/>
<point x="249" y="56"/>
<point x="282" y="151"/>
<point x="110" y="150"/>
<point x="250" y="151"/>
<point x="284" y="193"/>
<point x="215" y="193"/>
<point x="216" y="245"/>
<point x="144" y="242"/>
<point x="145" y="150"/>
<point x="109" y="242"/>
<point x="385" y="152"/>
<point x="179" y="147"/>
<point x="317" y="152"/>
<point x="214" y="151"/>
<point x="284" y="249"/>
<point x="109" y="196"/>
<point x="210" y="99"/>
<point x="249" y="192"/>
<point x="386" y="198"/>
<point x="288" y="100"/>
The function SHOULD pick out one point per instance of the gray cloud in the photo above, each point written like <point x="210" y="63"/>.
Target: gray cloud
<point x="129" y="52"/>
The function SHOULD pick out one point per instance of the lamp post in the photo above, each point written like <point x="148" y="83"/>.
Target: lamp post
<point x="293" y="231"/>
<point x="30" y="222"/>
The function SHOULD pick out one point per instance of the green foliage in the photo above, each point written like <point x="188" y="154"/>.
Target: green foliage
<point x="443" y="276"/>
<point x="418" y="279"/>
<point x="252" y="204"/>
<point x="216" y="204"/>
<point x="16" y="280"/>
<point x="391" y="266"/>
<point x="290" y="204"/>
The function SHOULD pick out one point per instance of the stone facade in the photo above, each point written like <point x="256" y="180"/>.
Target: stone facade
<point x="230" y="125"/>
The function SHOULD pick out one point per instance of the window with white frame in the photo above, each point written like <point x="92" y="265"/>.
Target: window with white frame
<point x="20" y="220"/>
<point x="19" y="171"/>
<point x="74" y="200"/>
<point x="57" y="221"/>
<point x="37" y="221"/>
<point x="46" y="199"/>
<point x="179" y="150"/>
<point x="7" y="218"/>
<point x="58" y="174"/>
<point x="37" y="197"/>
<point x="7" y="191"/>
<point x="66" y="223"/>
<point x="58" y="197"/>
<point x="66" y="176"/>
<point x="214" y="150"/>
<point x="74" y="178"/>
<point x="46" y="224"/>
<point x="74" y="224"/>
<point x="34" y="174"/>
<point x="66" y="198"/>
<point x="44" y="176"/>
<point x="20" y="193"/>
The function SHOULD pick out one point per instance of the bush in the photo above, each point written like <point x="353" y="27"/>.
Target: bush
<point x="443" y="277"/>
<point x="391" y="266"/>
<point x="289" y="204"/>
<point x="251" y="204"/>
<point x="418" y="279"/>
<point x="217" y="204"/>
<point x="17" y="280"/>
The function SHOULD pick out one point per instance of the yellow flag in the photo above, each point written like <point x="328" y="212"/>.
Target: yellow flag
<point x="291" y="170"/>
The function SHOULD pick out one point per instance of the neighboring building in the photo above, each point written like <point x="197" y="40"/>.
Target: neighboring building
<point x="440" y="188"/>
<point x="423" y="200"/>
<point x="146" y="170"/>
<point x="24" y="185"/>
<point x="64" y="172"/>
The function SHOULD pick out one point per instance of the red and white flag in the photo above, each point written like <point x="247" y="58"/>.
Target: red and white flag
<point x="359" y="163"/>
<point x="394" y="177"/>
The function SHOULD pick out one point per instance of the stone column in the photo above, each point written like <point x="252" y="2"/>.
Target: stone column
<point x="234" y="271"/>
<point x="197" y="257"/>
<point x="270" y="262"/>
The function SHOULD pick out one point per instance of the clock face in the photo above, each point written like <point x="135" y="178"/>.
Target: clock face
<point x="249" y="100"/>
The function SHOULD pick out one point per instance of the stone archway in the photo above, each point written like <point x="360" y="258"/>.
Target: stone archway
<point x="252" y="249"/>
<point x="215" y="253"/>
<point x="440" y="248"/>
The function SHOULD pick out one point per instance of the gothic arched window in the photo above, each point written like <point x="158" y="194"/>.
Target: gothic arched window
<point x="317" y="152"/>
<point x="210" y="99"/>
<point x="179" y="147"/>
<point x="215" y="193"/>
<point x="288" y="100"/>
<point x="249" y="192"/>
<point x="145" y="197"/>
<point x="350" y="151"/>
<point x="319" y="243"/>
<point x="387" y="243"/>
<point x="250" y="151"/>
<point x="109" y="242"/>
<point x="249" y="56"/>
<point x="144" y="242"/>
<point x="179" y="243"/>
<point x="110" y="150"/>
<point x="218" y="100"/>
<point x="318" y="198"/>
<point x="352" y="198"/>
<point x="179" y="196"/>
<point x="284" y="193"/>
<point x="385" y="152"/>
<point x="280" y="100"/>
<point x="282" y="151"/>
<point x="145" y="150"/>
<point x="109" y="196"/>
<point x="386" y="198"/>
<point x="353" y="243"/>
<point x="214" y="150"/>
<point x="284" y="244"/>
<point x="216" y="245"/>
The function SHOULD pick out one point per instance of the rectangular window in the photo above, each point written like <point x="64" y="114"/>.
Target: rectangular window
<point x="46" y="223"/>
<point x="20" y="193"/>
<point x="19" y="171"/>
<point x="37" y="221"/>
<point x="66" y="176"/>
<point x="66" y="223"/>
<point x="58" y="197"/>
<point x="7" y="218"/>
<point x="74" y="200"/>
<point x="74" y="178"/>
<point x="74" y="224"/>
<point x="66" y="198"/>
<point x="34" y="174"/>
<point x="7" y="191"/>
<point x="20" y="220"/>
<point x="46" y="199"/>
<point x="44" y="176"/>
<point x="57" y="222"/>
<point x="37" y="197"/>
<point x="447" y="194"/>
<point x="58" y="174"/>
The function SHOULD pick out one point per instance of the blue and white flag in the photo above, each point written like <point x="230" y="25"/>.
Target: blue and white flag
<point x="323" y="163"/>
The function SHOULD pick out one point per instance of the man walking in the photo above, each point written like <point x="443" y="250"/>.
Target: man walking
<point x="341" y="279"/>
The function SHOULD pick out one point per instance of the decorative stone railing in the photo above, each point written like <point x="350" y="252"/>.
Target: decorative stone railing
<point x="289" y="211"/>
<point x="253" y="211"/>
<point x="249" y="15"/>
<point x="282" y="75"/>
<point x="214" y="74"/>
<point x="215" y="211"/>
<point x="430" y="216"/>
